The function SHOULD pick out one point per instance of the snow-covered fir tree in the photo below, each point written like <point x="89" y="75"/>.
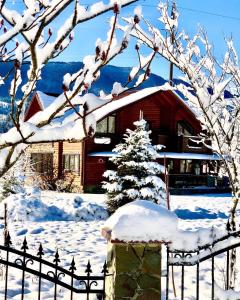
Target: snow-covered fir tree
<point x="137" y="174"/>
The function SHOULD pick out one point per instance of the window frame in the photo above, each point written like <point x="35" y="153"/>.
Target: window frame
<point x="186" y="128"/>
<point x="42" y="163"/>
<point x="107" y="129"/>
<point x="69" y="159"/>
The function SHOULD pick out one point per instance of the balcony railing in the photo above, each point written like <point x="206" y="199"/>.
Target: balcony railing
<point x="190" y="144"/>
<point x="193" y="144"/>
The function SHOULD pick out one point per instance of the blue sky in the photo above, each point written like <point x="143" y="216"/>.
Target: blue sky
<point x="220" y="18"/>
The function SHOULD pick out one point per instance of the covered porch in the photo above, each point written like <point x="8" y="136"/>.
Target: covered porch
<point x="196" y="172"/>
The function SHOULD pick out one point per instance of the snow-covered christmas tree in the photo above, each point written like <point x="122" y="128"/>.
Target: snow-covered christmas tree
<point x="137" y="174"/>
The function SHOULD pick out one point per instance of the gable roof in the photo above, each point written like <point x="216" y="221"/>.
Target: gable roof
<point x="128" y="98"/>
<point x="44" y="99"/>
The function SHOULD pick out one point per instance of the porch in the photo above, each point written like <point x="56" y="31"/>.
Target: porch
<point x="187" y="184"/>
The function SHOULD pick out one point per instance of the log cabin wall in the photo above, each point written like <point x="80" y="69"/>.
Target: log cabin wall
<point x="162" y="110"/>
<point x="72" y="149"/>
<point x="58" y="150"/>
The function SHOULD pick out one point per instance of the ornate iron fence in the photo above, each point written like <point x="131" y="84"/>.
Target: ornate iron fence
<point x="176" y="257"/>
<point x="50" y="272"/>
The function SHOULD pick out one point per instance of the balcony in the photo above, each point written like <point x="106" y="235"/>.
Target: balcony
<point x="192" y="144"/>
<point x="188" y="144"/>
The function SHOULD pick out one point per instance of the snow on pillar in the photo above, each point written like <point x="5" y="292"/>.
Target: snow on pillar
<point x="135" y="234"/>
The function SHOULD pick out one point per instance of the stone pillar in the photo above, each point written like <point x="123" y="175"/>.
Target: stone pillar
<point x="135" y="269"/>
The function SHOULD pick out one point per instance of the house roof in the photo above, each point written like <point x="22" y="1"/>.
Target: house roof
<point x="174" y="155"/>
<point x="131" y="98"/>
<point x="119" y="102"/>
<point x="44" y="99"/>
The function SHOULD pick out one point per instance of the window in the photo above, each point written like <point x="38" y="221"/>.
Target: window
<point x="42" y="163"/>
<point x="184" y="128"/>
<point x="107" y="125"/>
<point x="186" y="166"/>
<point x="170" y="166"/>
<point x="71" y="162"/>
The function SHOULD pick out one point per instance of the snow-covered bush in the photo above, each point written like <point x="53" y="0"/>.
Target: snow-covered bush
<point x="13" y="182"/>
<point x="67" y="184"/>
<point x="89" y="212"/>
<point x="137" y="173"/>
<point x="29" y="206"/>
<point x="53" y="183"/>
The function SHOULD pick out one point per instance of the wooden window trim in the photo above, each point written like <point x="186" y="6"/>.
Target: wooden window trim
<point x="69" y="169"/>
<point x="107" y="119"/>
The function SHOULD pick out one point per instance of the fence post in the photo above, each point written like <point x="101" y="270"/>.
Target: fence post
<point x="5" y="224"/>
<point x="135" y="269"/>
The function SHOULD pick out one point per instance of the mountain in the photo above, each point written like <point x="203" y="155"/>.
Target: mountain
<point x="52" y="77"/>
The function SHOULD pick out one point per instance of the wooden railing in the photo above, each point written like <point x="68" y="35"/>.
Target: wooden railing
<point x="192" y="144"/>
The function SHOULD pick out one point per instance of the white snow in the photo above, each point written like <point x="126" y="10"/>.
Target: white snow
<point x="83" y="239"/>
<point x="45" y="100"/>
<point x="28" y="206"/>
<point x="176" y="155"/>
<point x="142" y="221"/>
<point x="183" y="155"/>
<point x="222" y="294"/>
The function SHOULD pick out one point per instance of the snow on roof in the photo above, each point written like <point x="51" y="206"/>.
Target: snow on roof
<point x="114" y="105"/>
<point x="142" y="221"/>
<point x="110" y="107"/>
<point x="45" y="100"/>
<point x="175" y="155"/>
<point x="185" y="102"/>
<point x="102" y="154"/>
<point x="186" y="155"/>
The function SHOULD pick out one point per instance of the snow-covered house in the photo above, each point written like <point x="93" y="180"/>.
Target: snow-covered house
<point x="172" y="122"/>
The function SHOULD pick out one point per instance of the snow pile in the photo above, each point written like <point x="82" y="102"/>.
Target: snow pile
<point x="30" y="207"/>
<point x="142" y="221"/>
<point x="87" y="211"/>
<point x="221" y="294"/>
<point x="190" y="240"/>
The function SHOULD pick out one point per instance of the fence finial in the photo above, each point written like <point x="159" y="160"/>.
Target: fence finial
<point x="40" y="251"/>
<point x="24" y="245"/>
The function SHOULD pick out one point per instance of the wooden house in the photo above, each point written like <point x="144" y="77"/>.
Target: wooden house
<point x="172" y="122"/>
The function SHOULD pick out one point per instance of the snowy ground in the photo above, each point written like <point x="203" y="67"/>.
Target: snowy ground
<point x="82" y="239"/>
<point x="195" y="212"/>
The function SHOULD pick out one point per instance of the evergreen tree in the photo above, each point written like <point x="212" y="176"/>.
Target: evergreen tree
<point x="137" y="174"/>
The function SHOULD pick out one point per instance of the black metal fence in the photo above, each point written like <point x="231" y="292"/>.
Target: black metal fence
<point x="225" y="246"/>
<point x="51" y="272"/>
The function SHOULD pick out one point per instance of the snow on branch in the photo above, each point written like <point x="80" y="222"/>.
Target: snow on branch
<point x="27" y="37"/>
